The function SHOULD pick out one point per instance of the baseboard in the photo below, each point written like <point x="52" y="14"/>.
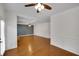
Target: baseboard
<point x="25" y="35"/>
<point x="64" y="48"/>
<point x="42" y="36"/>
<point x="8" y="50"/>
<point x="34" y="35"/>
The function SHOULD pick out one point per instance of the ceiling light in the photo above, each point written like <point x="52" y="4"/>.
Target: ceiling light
<point x="39" y="7"/>
<point x="42" y="7"/>
<point x="29" y="25"/>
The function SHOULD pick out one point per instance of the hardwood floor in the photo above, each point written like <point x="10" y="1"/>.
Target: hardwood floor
<point x="36" y="46"/>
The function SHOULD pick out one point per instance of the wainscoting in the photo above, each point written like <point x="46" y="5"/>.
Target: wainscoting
<point x="36" y="46"/>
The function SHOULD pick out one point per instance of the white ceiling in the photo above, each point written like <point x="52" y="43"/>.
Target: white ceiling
<point x="29" y="13"/>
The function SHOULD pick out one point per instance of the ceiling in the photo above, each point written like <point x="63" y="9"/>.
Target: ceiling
<point x="29" y="13"/>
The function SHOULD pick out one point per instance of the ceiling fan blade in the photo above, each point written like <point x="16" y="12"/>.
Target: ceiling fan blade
<point x="47" y="7"/>
<point x="29" y="5"/>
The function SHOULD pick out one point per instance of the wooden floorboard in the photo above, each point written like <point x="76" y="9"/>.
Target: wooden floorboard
<point x="36" y="46"/>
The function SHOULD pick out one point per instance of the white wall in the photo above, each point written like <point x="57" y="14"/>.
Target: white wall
<point x="65" y="30"/>
<point x="1" y="14"/>
<point x="2" y="47"/>
<point x="11" y="30"/>
<point x="1" y="10"/>
<point x="42" y="29"/>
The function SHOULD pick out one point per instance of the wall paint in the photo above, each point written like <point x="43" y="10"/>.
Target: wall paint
<point x="1" y="10"/>
<point x="42" y="29"/>
<point x="1" y="14"/>
<point x="65" y="30"/>
<point x="24" y="29"/>
<point x="11" y="30"/>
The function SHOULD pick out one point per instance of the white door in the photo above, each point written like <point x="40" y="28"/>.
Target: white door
<point x="2" y="37"/>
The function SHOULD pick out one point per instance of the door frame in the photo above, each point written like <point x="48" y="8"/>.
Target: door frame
<point x="2" y="35"/>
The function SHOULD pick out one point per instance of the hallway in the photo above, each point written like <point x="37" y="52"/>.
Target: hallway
<point x="36" y="46"/>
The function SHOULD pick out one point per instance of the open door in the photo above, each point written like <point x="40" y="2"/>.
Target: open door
<point x="2" y="37"/>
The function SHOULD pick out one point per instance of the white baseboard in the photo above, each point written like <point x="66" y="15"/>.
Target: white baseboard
<point x="42" y="36"/>
<point x="53" y="43"/>
<point x="26" y="35"/>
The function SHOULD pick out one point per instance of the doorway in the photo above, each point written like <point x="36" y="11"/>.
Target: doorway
<point x="2" y="37"/>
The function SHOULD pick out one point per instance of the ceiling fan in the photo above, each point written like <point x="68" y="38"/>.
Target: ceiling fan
<point x="39" y="6"/>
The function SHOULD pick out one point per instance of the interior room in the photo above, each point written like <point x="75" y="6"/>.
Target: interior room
<point x="39" y="29"/>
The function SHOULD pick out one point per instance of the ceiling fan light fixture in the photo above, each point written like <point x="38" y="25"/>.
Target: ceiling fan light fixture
<point x="38" y="11"/>
<point x="42" y="7"/>
<point x="39" y="7"/>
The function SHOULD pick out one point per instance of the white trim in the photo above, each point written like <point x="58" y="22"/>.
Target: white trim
<point x="42" y="36"/>
<point x="2" y="36"/>
<point x="31" y="35"/>
<point x="26" y="35"/>
<point x="53" y="43"/>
